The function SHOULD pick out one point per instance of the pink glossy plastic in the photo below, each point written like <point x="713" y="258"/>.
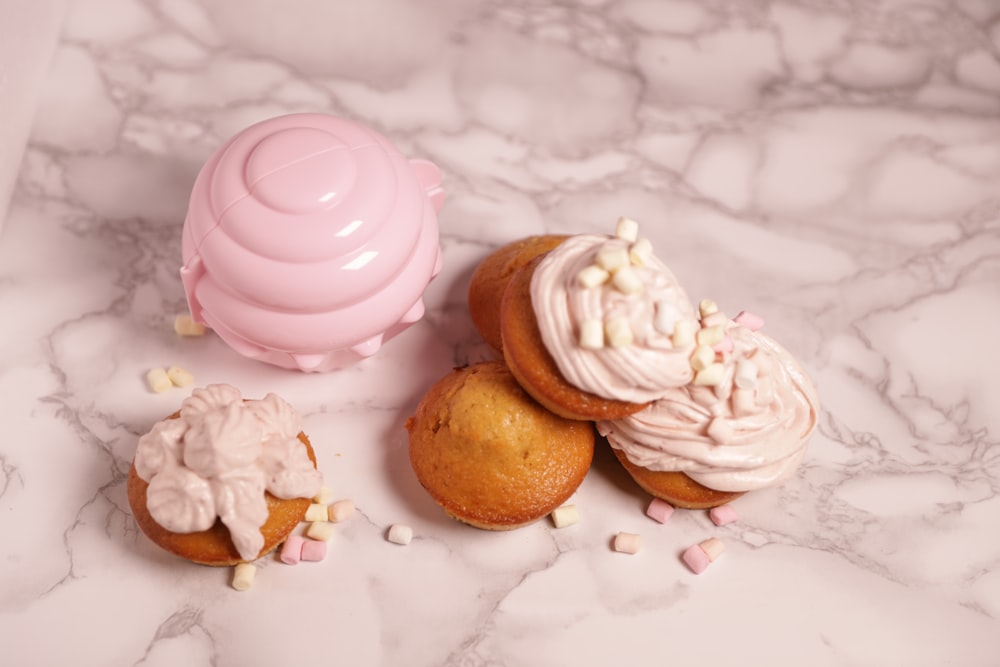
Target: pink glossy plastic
<point x="309" y="241"/>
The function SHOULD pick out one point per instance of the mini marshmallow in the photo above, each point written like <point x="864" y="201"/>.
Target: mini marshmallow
<point x="627" y="229"/>
<point x="316" y="512"/>
<point x="744" y="402"/>
<point x="710" y="376"/>
<point x="627" y="281"/>
<point x="684" y="332"/>
<point x="746" y="374"/>
<point x="591" y="334"/>
<point x="723" y="514"/>
<point x="719" y="429"/>
<point x="716" y="319"/>
<point x="707" y="307"/>
<point x="324" y="496"/>
<point x="158" y="380"/>
<point x="710" y="335"/>
<point x="180" y="377"/>
<point x="640" y="252"/>
<point x="313" y="550"/>
<point x="702" y="357"/>
<point x="243" y="576"/>
<point x="612" y="258"/>
<point x="592" y="276"/>
<point x="618" y="332"/>
<point x="340" y="510"/>
<point x="185" y="326"/>
<point x="696" y="559"/>
<point x="627" y="543"/>
<point x="320" y="530"/>
<point x="659" y="510"/>
<point x="724" y="346"/>
<point x="400" y="534"/>
<point x="666" y="318"/>
<point x="749" y="320"/>
<point x="291" y="551"/>
<point x="564" y="516"/>
<point x="713" y="548"/>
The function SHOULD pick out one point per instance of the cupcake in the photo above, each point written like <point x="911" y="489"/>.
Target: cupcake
<point x="741" y="424"/>
<point x="491" y="278"/>
<point x="598" y="327"/>
<point x="491" y="456"/>
<point x="224" y="480"/>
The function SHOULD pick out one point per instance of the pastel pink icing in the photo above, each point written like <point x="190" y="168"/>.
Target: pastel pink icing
<point x="309" y="241"/>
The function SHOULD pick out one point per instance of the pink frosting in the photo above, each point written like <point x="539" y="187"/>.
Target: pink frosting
<point x="309" y="241"/>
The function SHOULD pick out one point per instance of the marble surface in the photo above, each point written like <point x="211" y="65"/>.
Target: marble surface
<point x="832" y="166"/>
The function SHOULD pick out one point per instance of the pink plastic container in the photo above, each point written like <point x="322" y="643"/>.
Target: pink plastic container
<point x="309" y="241"/>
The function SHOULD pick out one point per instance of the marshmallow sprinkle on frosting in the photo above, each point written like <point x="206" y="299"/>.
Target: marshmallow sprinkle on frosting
<point x="614" y="317"/>
<point x="218" y="458"/>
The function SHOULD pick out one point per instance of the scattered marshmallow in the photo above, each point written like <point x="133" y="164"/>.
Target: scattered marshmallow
<point x="696" y="559"/>
<point x="180" y="377"/>
<point x="324" y="496"/>
<point x="667" y="315"/>
<point x="592" y="334"/>
<point x="564" y="516"/>
<point x="313" y="551"/>
<point x="627" y="229"/>
<point x="627" y="543"/>
<point x="243" y="576"/>
<point x="158" y="380"/>
<point x="640" y="252"/>
<point x="749" y="320"/>
<point x="185" y="326"/>
<point x="400" y="534"/>
<point x="716" y="319"/>
<point x="713" y="548"/>
<point x="592" y="276"/>
<point x="627" y="281"/>
<point x="684" y="333"/>
<point x="710" y="335"/>
<point x="710" y="376"/>
<point x="316" y="512"/>
<point x="745" y="376"/>
<point x="659" y="510"/>
<point x="320" y="530"/>
<point x="723" y="514"/>
<point x="702" y="357"/>
<point x="724" y="346"/>
<point x="618" y="332"/>
<point x="612" y="258"/>
<point x="340" y="510"/>
<point x="707" y="307"/>
<point x="291" y="551"/>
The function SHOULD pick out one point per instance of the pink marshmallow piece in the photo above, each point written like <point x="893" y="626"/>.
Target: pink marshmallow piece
<point x="291" y="552"/>
<point x="725" y="346"/>
<point x="696" y="559"/>
<point x="659" y="510"/>
<point x="723" y="514"/>
<point x="313" y="550"/>
<point x="749" y="320"/>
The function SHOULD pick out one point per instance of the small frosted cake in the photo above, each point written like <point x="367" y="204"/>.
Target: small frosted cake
<point x="490" y="455"/>
<point x="598" y="327"/>
<point x="224" y="480"/>
<point x="741" y="424"/>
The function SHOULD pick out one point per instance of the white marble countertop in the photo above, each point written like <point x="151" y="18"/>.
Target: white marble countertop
<point x="835" y="169"/>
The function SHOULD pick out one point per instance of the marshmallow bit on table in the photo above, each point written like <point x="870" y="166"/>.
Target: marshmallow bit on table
<point x="313" y="551"/>
<point x="713" y="548"/>
<point x="180" y="377"/>
<point x="158" y="380"/>
<point x="400" y="534"/>
<point x="316" y="512"/>
<point x="696" y="559"/>
<point x="749" y="320"/>
<point x="243" y="576"/>
<point x="291" y="550"/>
<point x="659" y="510"/>
<point x="320" y="530"/>
<point x="592" y="276"/>
<point x="185" y="326"/>
<point x="618" y="332"/>
<point x="564" y="516"/>
<point x="591" y="334"/>
<point x="627" y="229"/>
<point x="723" y="514"/>
<point x="627" y="543"/>
<point x="340" y="510"/>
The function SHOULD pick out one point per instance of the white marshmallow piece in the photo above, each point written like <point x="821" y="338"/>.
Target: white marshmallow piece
<point x="320" y="530"/>
<point x="158" y="380"/>
<point x="710" y="375"/>
<point x="627" y="281"/>
<point x="618" y="332"/>
<point x="710" y="335"/>
<point x="744" y="402"/>
<point x="716" y="319"/>
<point x="243" y="576"/>
<point x="340" y="510"/>
<point x="180" y="377"/>
<point x="324" y="496"/>
<point x="612" y="258"/>
<point x="667" y="315"/>
<point x="592" y="276"/>
<point x="713" y="546"/>
<point x="628" y="543"/>
<point x="592" y="334"/>
<point x="707" y="307"/>
<point x="185" y="326"/>
<point x="684" y="333"/>
<point x="627" y="229"/>
<point x="564" y="516"/>
<point x="316" y="512"/>
<point x="400" y="534"/>
<point x="702" y="357"/>
<point x="746" y="374"/>
<point x="640" y="252"/>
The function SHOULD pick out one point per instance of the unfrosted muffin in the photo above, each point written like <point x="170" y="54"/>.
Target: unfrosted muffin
<point x="491" y="277"/>
<point x="598" y="327"/>
<point x="223" y="481"/>
<point x="490" y="455"/>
